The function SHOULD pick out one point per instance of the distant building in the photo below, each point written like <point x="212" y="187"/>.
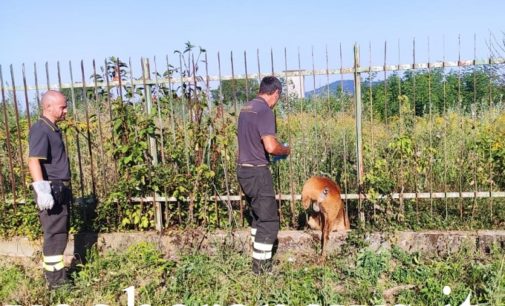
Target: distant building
<point x="295" y="83"/>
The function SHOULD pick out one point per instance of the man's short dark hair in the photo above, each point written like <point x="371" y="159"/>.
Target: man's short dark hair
<point x="269" y="85"/>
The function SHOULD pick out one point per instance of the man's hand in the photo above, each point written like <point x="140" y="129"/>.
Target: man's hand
<point x="273" y="147"/>
<point x="276" y="158"/>
<point x="44" y="198"/>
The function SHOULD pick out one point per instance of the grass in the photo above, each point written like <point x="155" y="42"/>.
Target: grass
<point x="355" y="274"/>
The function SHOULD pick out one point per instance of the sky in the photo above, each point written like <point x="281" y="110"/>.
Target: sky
<point x="35" y="31"/>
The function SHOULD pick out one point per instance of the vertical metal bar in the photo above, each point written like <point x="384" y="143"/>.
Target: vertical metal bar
<point x="120" y="90"/>
<point x="171" y="100"/>
<point x="491" y="111"/>
<point x="184" y="100"/>
<point x="111" y="120"/>
<point x="246" y="78"/>
<point x="445" y="130"/>
<point x="290" y="142"/>
<point x="58" y="73"/>
<point x="344" y="138"/>
<point x="372" y="126"/>
<point x="27" y="104"/>
<point x="2" y="190"/>
<point x="125" y="135"/>
<point x="241" y="193"/>
<point x="165" y="205"/>
<point x="327" y="80"/>
<point x="386" y="105"/>
<point x="193" y="69"/>
<point x="218" y="217"/>
<point x="327" y="143"/>
<point x="430" y="102"/>
<point x="259" y="68"/>
<point x="236" y="114"/>
<point x="207" y="85"/>
<point x="220" y="80"/>
<point x="402" y="183"/>
<point x="234" y="87"/>
<point x="37" y="86"/>
<point x="460" y="113"/>
<point x="47" y="77"/>
<point x="18" y="130"/>
<point x="77" y="137"/>
<point x="385" y="84"/>
<point x="277" y="169"/>
<point x="413" y="109"/>
<point x="149" y="105"/>
<point x="304" y="156"/>
<point x="359" y="145"/>
<point x="474" y="111"/>
<point x="98" y="104"/>
<point x="220" y="109"/>
<point x="132" y="84"/>
<point x="146" y="75"/>
<point x="160" y="121"/>
<point x="88" y="133"/>
<point x="316" y="116"/>
<point x="185" y="136"/>
<point x="211" y="132"/>
<point x="8" y="140"/>
<point x="272" y="60"/>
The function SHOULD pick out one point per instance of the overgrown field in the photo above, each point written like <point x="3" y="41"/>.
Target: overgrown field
<point x="353" y="275"/>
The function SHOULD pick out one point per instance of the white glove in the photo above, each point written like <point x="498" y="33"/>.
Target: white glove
<point x="43" y="193"/>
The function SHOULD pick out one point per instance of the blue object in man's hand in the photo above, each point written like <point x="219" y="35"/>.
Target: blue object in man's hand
<point x="276" y="158"/>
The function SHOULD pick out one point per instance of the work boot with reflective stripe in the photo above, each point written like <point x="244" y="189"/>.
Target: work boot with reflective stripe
<point x="54" y="271"/>
<point x="261" y="266"/>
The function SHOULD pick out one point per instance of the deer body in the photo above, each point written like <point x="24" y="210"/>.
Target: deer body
<point x="321" y="198"/>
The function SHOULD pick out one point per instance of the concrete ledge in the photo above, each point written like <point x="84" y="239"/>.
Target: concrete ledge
<point x="171" y="243"/>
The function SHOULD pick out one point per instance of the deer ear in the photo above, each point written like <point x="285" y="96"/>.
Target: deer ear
<point x="323" y="195"/>
<point x="326" y="190"/>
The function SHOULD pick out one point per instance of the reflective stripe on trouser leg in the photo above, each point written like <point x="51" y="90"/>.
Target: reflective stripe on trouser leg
<point x="53" y="263"/>
<point x="253" y="234"/>
<point x="262" y="251"/>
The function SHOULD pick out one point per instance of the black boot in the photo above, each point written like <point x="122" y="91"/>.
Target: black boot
<point x="56" y="279"/>
<point x="261" y="266"/>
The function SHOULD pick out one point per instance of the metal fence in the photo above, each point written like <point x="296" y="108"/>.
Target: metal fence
<point x="340" y="133"/>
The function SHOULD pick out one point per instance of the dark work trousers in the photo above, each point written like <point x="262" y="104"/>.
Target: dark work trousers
<point x="55" y="225"/>
<point x="257" y="184"/>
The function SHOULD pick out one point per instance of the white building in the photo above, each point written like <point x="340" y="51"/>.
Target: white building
<point x="295" y="83"/>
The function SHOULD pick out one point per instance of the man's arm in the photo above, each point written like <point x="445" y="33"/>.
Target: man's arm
<point x="273" y="147"/>
<point x="35" y="169"/>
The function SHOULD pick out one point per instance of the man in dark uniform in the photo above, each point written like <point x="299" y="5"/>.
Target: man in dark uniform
<point x="256" y="140"/>
<point x="50" y="171"/>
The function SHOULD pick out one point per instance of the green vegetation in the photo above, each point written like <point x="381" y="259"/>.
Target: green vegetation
<point x="354" y="275"/>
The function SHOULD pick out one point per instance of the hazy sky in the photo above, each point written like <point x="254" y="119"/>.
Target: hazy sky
<point x="39" y="31"/>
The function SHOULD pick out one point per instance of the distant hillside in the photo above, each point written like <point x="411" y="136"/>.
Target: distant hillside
<point x="348" y="86"/>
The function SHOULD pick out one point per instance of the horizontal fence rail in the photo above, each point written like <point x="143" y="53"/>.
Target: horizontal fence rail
<point x="351" y="196"/>
<point x="304" y="73"/>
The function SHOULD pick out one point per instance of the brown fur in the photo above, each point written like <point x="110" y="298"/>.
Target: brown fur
<point x="328" y="212"/>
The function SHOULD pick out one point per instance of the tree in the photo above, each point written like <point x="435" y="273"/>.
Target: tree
<point x="239" y="89"/>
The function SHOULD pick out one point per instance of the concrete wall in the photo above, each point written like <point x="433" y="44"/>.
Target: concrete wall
<point x="290" y="242"/>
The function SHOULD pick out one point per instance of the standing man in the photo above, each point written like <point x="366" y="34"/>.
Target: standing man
<point x="256" y="140"/>
<point x="50" y="171"/>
